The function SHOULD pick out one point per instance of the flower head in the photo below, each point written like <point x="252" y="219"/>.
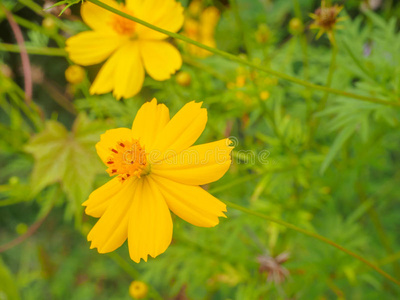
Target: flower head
<point x="156" y="170"/>
<point x="200" y="26"/>
<point x="326" y="19"/>
<point x="128" y="47"/>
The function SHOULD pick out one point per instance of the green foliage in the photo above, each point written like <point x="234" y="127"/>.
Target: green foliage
<point x="62" y="156"/>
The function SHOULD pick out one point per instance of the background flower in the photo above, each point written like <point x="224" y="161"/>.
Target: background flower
<point x="128" y="47"/>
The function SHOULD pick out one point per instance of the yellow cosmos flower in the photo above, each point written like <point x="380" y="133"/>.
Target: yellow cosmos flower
<point x="157" y="170"/>
<point x="129" y="47"/>
<point x="200" y="26"/>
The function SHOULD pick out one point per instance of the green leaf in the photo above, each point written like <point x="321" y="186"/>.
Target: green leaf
<point x="8" y="288"/>
<point x="66" y="157"/>
<point x="342" y="137"/>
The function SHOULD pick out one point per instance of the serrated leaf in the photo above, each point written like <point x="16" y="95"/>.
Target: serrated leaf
<point x="66" y="157"/>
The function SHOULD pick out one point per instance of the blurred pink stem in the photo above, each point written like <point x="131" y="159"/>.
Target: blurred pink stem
<point x="26" y="66"/>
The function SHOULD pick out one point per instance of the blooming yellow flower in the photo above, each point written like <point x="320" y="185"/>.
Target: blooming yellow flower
<point x="200" y="26"/>
<point x="129" y="47"/>
<point x="138" y="289"/>
<point x="157" y="170"/>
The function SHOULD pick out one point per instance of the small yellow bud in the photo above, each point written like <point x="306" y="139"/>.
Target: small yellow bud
<point x="21" y="228"/>
<point x="264" y="95"/>
<point x="48" y="23"/>
<point x="14" y="180"/>
<point x="183" y="78"/>
<point x="74" y="74"/>
<point x="295" y="26"/>
<point x="138" y="289"/>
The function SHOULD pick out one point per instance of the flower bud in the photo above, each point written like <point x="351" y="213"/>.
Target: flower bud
<point x="183" y="78"/>
<point x="295" y="26"/>
<point x="74" y="74"/>
<point x="138" y="289"/>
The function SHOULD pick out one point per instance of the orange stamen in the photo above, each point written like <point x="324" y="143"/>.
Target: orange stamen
<point x="128" y="158"/>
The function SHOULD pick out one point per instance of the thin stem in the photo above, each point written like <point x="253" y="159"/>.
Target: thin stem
<point x="31" y="230"/>
<point x="41" y="12"/>
<point x="26" y="65"/>
<point x="33" y="50"/>
<point x="330" y="75"/>
<point x="314" y="235"/>
<point x="129" y="269"/>
<point x="244" y="61"/>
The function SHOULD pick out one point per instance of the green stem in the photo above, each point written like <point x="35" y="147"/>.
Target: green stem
<point x="243" y="61"/>
<point x="33" y="50"/>
<point x="313" y="235"/>
<point x="41" y="12"/>
<point x="135" y="275"/>
<point x="330" y="75"/>
<point x="127" y="267"/>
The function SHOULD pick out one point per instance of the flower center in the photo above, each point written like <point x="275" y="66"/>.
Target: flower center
<point x="122" y="25"/>
<point x="127" y="158"/>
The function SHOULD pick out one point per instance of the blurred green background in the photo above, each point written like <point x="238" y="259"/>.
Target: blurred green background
<point x="321" y="161"/>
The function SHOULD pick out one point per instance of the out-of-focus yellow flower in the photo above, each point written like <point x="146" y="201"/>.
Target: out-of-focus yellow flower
<point x="156" y="170"/>
<point x="138" y="289"/>
<point x="183" y="78"/>
<point x="264" y="95"/>
<point x="295" y="26"/>
<point x="326" y="19"/>
<point x="240" y="81"/>
<point x="74" y="74"/>
<point x="200" y="26"/>
<point x="129" y="47"/>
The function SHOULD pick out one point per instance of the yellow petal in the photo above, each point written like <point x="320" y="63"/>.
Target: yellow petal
<point x="150" y="224"/>
<point x="129" y="72"/>
<point x="104" y="82"/>
<point x="109" y="139"/>
<point x="97" y="17"/>
<point x="191" y="203"/>
<point x="111" y="230"/>
<point x="149" y="121"/>
<point x="100" y="199"/>
<point x="160" y="59"/>
<point x="92" y="47"/>
<point x="167" y="14"/>
<point x="180" y="133"/>
<point x="197" y="165"/>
